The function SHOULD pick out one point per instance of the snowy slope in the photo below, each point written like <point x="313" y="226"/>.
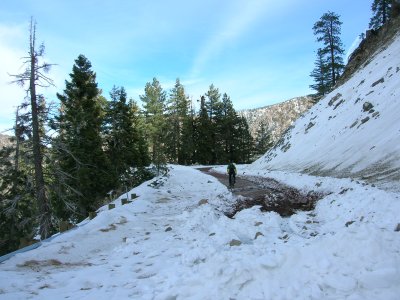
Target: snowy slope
<point x="343" y="135"/>
<point x="167" y="245"/>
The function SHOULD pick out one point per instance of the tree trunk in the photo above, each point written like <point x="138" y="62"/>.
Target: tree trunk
<point x="332" y="55"/>
<point x="42" y="202"/>
<point x="17" y="141"/>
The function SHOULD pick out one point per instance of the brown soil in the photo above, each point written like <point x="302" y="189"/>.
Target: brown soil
<point x="268" y="193"/>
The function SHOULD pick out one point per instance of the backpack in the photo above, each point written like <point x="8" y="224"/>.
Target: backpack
<point x="231" y="168"/>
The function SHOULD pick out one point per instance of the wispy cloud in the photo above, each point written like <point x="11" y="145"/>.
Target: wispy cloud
<point x="238" y="20"/>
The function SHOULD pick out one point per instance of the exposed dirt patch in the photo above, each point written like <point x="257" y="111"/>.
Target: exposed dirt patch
<point x="37" y="265"/>
<point x="268" y="193"/>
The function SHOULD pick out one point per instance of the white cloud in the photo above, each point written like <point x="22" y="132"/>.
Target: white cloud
<point x="11" y="51"/>
<point x="240" y="18"/>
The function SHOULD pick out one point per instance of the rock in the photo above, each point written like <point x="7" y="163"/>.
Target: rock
<point x="397" y="228"/>
<point x="168" y="229"/>
<point x="285" y="237"/>
<point x="212" y="234"/>
<point x="311" y="124"/>
<point x="258" y="223"/>
<point x="339" y="103"/>
<point x="382" y="80"/>
<point x="65" y="225"/>
<point x="92" y="215"/>
<point x="258" y="234"/>
<point x="203" y="201"/>
<point x="375" y="114"/>
<point x="363" y="121"/>
<point x="354" y="124"/>
<point x="367" y="106"/>
<point x="24" y="242"/>
<point x="334" y="99"/>
<point x="349" y="223"/>
<point x="125" y="201"/>
<point x="235" y="243"/>
<point x="111" y="206"/>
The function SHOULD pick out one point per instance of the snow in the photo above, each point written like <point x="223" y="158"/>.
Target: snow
<point x="175" y="242"/>
<point x="166" y="245"/>
<point x="337" y="143"/>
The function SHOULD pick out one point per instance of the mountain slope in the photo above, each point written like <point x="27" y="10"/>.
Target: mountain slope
<point x="277" y="117"/>
<point x="352" y="132"/>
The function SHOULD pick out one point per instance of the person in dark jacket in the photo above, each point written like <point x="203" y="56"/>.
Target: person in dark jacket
<point x="231" y="170"/>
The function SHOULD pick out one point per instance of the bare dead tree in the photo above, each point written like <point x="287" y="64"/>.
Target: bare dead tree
<point x="34" y="75"/>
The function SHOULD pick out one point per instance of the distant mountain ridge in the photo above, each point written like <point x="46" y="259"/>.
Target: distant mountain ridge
<point x="278" y="117"/>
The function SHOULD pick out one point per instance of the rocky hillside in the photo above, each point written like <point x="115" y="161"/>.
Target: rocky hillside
<point x="353" y="131"/>
<point x="4" y="140"/>
<point x="278" y="117"/>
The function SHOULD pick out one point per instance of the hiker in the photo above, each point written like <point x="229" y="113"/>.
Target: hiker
<point x="231" y="170"/>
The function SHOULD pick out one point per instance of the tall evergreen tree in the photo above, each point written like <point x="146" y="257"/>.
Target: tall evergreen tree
<point x="228" y="129"/>
<point x="263" y="140"/>
<point x="381" y="10"/>
<point x="244" y="141"/>
<point x="221" y="135"/>
<point x="122" y="135"/>
<point x="203" y="135"/>
<point x="187" y="153"/>
<point x="154" y="108"/>
<point x="142" y="157"/>
<point x="321" y="75"/>
<point x="177" y="113"/>
<point x="328" y="30"/>
<point x="81" y="156"/>
<point x="213" y="106"/>
<point x="18" y="209"/>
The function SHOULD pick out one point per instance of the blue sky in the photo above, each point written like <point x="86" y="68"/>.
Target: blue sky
<point x="259" y="52"/>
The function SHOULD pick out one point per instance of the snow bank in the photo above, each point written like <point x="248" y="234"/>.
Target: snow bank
<point x="174" y="242"/>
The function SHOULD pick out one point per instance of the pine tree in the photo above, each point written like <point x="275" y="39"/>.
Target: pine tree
<point x="80" y="146"/>
<point x="263" y="140"/>
<point x="328" y="30"/>
<point x="18" y="209"/>
<point x="123" y="138"/>
<point x="244" y="141"/>
<point x="154" y="107"/>
<point x="213" y="106"/>
<point x="177" y="111"/>
<point x="220" y="134"/>
<point x="381" y="10"/>
<point x="187" y="154"/>
<point x="321" y="75"/>
<point x="203" y="135"/>
<point x="227" y="129"/>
